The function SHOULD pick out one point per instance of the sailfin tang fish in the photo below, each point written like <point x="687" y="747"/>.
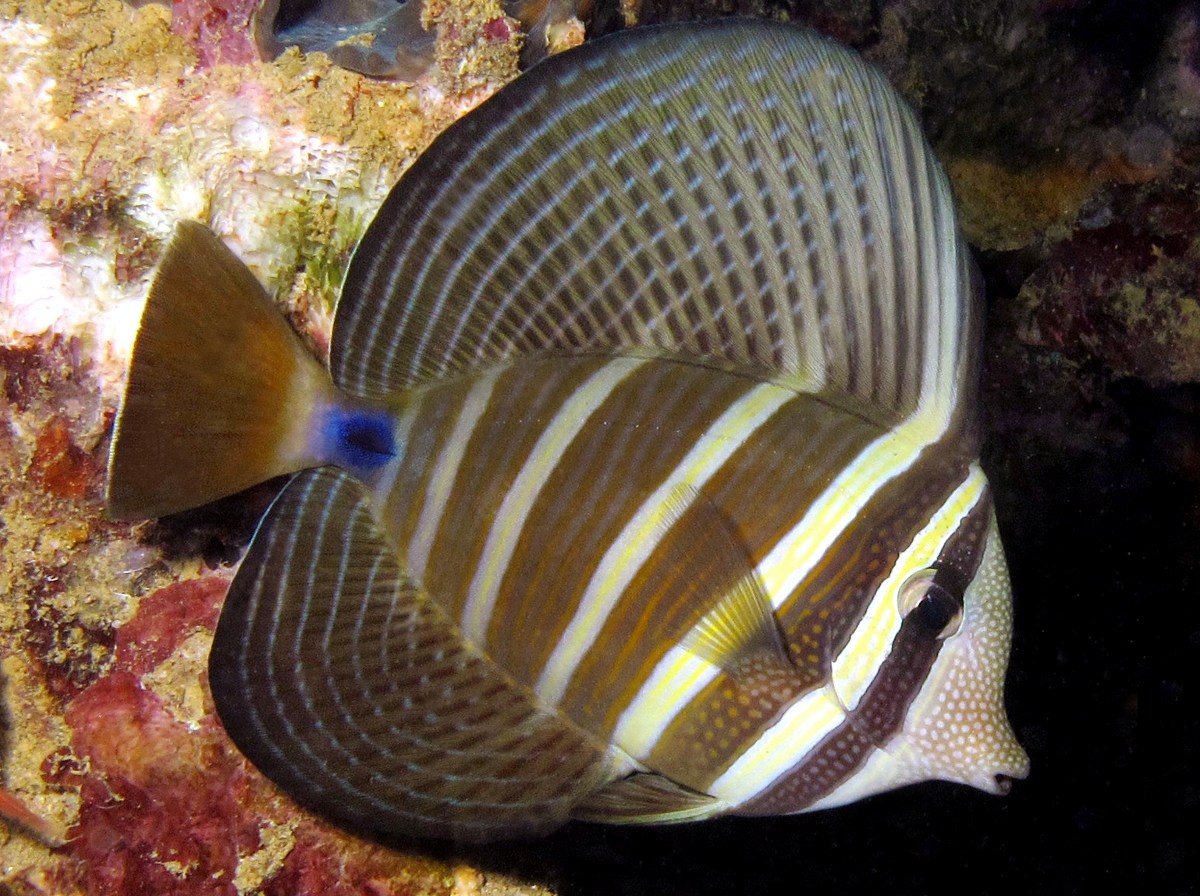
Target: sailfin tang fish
<point x="643" y="485"/>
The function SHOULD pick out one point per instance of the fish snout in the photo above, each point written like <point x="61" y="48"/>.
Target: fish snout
<point x="958" y="726"/>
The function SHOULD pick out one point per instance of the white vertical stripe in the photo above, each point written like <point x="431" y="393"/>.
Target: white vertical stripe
<point x="441" y="480"/>
<point x="780" y="747"/>
<point x="858" y="663"/>
<point x="543" y="459"/>
<point x="674" y="683"/>
<point x="639" y="538"/>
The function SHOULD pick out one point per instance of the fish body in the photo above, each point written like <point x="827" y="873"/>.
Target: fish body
<point x="645" y="485"/>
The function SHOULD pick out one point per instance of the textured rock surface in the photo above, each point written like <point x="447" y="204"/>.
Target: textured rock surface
<point x="116" y="121"/>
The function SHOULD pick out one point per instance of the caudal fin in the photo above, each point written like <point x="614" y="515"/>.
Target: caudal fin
<point x="221" y="391"/>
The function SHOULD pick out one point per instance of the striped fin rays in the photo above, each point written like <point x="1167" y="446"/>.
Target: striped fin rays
<point x="752" y="195"/>
<point x="379" y="712"/>
<point x="357" y="693"/>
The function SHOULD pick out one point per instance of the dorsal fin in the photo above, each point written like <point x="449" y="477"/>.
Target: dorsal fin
<point x="740" y="191"/>
<point x="344" y="683"/>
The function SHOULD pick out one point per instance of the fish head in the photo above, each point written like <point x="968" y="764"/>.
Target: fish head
<point x="956" y="727"/>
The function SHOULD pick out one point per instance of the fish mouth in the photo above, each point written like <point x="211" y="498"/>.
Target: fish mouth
<point x="1001" y="783"/>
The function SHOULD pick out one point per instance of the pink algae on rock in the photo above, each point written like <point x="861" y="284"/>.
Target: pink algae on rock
<point x="117" y="119"/>
<point x="161" y="801"/>
<point x="164" y="620"/>
<point x="218" y="30"/>
<point x="59" y="465"/>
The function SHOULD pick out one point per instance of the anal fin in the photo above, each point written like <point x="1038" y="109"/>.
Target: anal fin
<point x="348" y="686"/>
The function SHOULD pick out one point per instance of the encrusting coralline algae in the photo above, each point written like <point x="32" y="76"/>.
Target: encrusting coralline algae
<point x="113" y="124"/>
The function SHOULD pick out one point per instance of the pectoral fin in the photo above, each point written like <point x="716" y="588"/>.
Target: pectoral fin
<point x="739" y="633"/>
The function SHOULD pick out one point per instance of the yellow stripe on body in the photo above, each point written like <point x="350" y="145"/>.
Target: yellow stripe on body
<point x="815" y="715"/>
<point x="801" y="728"/>
<point x="661" y="698"/>
<point x="640" y="536"/>
<point x="674" y="683"/>
<point x="441" y="480"/>
<point x="542" y="460"/>
<point x="797" y="554"/>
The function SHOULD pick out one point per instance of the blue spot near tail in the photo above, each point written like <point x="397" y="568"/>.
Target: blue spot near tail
<point x="359" y="440"/>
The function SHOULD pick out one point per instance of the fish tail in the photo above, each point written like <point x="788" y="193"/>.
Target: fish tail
<point x="222" y="394"/>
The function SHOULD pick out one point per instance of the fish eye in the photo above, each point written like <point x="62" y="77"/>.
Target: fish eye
<point x="936" y="608"/>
